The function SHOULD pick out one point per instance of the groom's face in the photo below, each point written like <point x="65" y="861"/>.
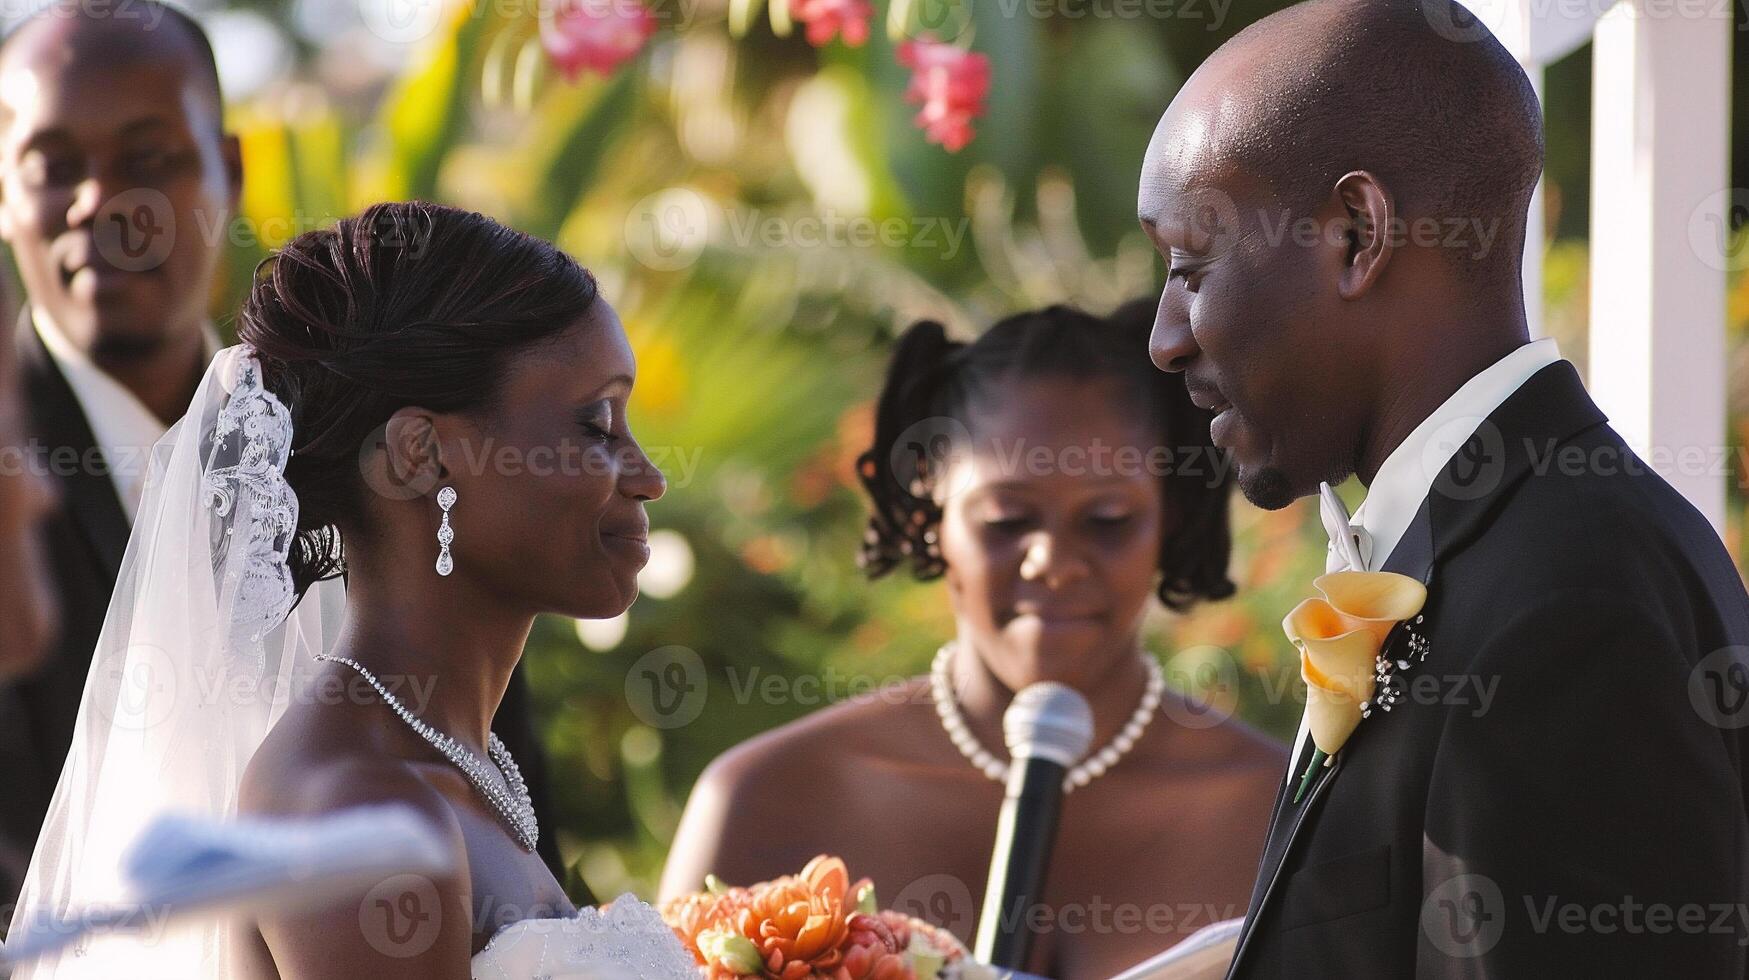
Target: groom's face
<point x="1247" y="314"/>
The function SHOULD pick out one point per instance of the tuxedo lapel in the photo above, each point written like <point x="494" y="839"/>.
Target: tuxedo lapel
<point x="1521" y="436"/>
<point x="57" y="421"/>
<point x="1413" y="555"/>
<point x="1284" y="827"/>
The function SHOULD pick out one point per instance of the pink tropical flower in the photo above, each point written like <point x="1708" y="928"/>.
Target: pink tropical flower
<point x="951" y="84"/>
<point x="595" y="35"/>
<point x="834" y="18"/>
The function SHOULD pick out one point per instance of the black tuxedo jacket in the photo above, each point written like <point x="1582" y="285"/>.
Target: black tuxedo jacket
<point x="1559" y="790"/>
<point x="84" y="543"/>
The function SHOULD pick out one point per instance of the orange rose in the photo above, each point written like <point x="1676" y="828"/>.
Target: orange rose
<point x="817" y="925"/>
<point x="800" y="923"/>
<point x="691" y="915"/>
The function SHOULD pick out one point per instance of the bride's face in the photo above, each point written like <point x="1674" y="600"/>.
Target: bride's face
<point x="551" y="484"/>
<point x="1051" y="531"/>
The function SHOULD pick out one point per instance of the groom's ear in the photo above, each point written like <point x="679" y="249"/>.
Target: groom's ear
<point x="1370" y="214"/>
<point x="412" y="451"/>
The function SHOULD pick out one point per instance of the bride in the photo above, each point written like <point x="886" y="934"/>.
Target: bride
<point x="433" y="406"/>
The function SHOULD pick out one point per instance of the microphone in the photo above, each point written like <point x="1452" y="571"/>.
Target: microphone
<point x="1048" y="727"/>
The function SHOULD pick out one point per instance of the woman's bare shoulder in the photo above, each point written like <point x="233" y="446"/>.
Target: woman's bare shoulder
<point x="306" y="767"/>
<point x="876" y="723"/>
<point x="1209" y="735"/>
<point x="751" y="799"/>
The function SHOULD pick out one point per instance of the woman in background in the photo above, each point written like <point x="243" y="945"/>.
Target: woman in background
<point x="1076" y="483"/>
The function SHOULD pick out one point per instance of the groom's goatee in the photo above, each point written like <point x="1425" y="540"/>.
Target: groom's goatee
<point x="1267" y="487"/>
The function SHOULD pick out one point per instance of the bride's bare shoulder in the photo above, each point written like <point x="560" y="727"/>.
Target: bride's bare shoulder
<point x="318" y="760"/>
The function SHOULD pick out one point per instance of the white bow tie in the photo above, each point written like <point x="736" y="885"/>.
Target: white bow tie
<point x="1350" y="545"/>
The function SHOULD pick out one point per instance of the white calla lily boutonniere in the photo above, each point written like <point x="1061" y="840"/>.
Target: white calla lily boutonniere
<point x="1339" y="637"/>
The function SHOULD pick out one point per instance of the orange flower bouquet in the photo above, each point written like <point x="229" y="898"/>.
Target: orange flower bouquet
<point x="818" y="925"/>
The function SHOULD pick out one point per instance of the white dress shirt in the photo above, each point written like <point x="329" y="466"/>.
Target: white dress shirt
<point x="123" y="427"/>
<point x="1406" y="477"/>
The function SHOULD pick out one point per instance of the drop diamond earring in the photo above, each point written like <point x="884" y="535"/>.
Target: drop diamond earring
<point x="445" y="533"/>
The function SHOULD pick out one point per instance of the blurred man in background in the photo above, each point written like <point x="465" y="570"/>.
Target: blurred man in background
<point x="118" y="184"/>
<point x="27" y="603"/>
<point x="113" y="162"/>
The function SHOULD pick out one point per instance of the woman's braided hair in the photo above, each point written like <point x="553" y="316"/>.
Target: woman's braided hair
<point x="933" y="378"/>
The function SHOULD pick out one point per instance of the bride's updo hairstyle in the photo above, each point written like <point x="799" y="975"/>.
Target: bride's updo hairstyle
<point x="933" y="380"/>
<point x="403" y="304"/>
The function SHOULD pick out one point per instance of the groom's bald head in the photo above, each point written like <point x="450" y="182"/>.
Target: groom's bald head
<point x="1414" y="91"/>
<point x="1341" y="193"/>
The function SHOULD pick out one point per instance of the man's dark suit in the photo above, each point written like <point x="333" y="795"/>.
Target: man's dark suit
<point x="1530" y="832"/>
<point x="84" y="542"/>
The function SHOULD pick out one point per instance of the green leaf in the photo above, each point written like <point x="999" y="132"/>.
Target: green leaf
<point x="585" y="122"/>
<point x="426" y="112"/>
<point x="741" y="14"/>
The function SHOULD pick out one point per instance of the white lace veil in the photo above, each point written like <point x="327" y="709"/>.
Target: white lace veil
<point x="196" y="661"/>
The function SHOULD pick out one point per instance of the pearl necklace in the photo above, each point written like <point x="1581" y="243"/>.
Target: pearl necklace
<point x="514" y="807"/>
<point x="941" y="689"/>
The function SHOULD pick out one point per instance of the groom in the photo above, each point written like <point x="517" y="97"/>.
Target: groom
<point x="1340" y="192"/>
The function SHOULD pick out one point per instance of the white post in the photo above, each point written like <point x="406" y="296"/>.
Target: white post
<point x="1533" y="235"/>
<point x="1538" y="33"/>
<point x="1660" y="89"/>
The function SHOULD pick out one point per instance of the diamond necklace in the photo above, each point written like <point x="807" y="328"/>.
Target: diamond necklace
<point x="514" y="808"/>
<point x="1089" y="769"/>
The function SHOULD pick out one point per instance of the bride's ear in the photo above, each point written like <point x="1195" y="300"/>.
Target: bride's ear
<point x="1371" y="216"/>
<point x="412" y="451"/>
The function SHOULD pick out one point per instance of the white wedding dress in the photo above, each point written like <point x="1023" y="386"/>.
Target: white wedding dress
<point x="629" y="941"/>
